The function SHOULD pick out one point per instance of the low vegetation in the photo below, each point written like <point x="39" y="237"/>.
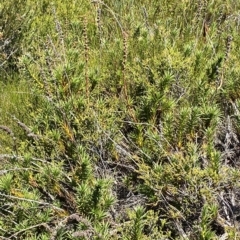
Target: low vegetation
<point x="119" y="119"/>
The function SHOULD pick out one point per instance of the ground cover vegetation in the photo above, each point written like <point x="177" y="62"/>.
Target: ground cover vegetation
<point x="119" y="119"/>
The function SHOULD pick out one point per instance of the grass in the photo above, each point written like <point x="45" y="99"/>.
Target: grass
<point x="121" y="121"/>
<point x="13" y="95"/>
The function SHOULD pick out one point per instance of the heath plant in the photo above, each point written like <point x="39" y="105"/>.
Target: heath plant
<point x="119" y="119"/>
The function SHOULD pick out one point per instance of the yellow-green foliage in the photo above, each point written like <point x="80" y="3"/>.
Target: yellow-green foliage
<point x="119" y="119"/>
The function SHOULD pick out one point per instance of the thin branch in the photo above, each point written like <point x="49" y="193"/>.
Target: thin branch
<point x="112" y="12"/>
<point x="33" y="201"/>
<point x="26" y="129"/>
<point x="9" y="156"/>
<point x="2" y="172"/>
<point x="26" y="229"/>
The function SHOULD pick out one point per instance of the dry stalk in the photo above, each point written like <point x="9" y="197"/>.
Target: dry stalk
<point x="125" y="55"/>
<point x="97" y="5"/>
<point x="58" y="29"/>
<point x="219" y="78"/>
<point x="145" y="15"/>
<point x="199" y="10"/>
<point x="228" y="47"/>
<point x="204" y="8"/>
<point x="220" y="71"/>
<point x="99" y="24"/>
<point x="86" y="51"/>
<point x="202" y="18"/>
<point x="220" y="20"/>
<point x="110" y="11"/>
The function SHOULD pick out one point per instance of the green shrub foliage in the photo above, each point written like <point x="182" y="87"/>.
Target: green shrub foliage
<point x="120" y="119"/>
